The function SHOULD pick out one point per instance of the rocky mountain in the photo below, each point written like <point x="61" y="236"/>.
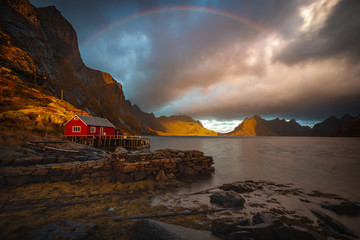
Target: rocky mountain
<point x="39" y="49"/>
<point x="347" y="126"/>
<point x="256" y="126"/>
<point x="183" y="126"/>
<point x="173" y="125"/>
<point x="147" y="118"/>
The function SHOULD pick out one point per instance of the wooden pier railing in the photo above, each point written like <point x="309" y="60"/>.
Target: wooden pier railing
<point x="111" y="142"/>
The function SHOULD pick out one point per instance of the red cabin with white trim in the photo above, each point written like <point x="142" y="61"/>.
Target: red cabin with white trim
<point x="80" y="125"/>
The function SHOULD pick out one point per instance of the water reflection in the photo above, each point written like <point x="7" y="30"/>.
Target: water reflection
<point x="327" y="164"/>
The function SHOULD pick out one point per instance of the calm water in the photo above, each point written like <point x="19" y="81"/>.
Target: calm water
<point x="331" y="165"/>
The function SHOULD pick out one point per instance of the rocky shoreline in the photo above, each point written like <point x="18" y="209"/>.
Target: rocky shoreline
<point x="251" y="210"/>
<point x="80" y="192"/>
<point x="36" y="162"/>
<point x="265" y="210"/>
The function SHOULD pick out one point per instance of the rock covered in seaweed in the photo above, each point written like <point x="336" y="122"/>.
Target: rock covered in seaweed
<point x="229" y="199"/>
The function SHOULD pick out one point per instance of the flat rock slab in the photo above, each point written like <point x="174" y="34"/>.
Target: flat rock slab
<point x="227" y="225"/>
<point x="154" y="230"/>
<point x="332" y="223"/>
<point x="239" y="187"/>
<point x="344" y="208"/>
<point x="64" y="230"/>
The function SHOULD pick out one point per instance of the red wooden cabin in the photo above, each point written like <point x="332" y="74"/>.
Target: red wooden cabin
<point x="80" y="125"/>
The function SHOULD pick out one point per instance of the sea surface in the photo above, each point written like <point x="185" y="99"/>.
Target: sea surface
<point x="330" y="165"/>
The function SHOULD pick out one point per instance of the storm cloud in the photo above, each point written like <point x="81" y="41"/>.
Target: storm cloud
<point x="226" y="60"/>
<point x="338" y="37"/>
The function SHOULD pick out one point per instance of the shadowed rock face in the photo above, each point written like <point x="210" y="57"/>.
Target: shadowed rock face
<point x="40" y="47"/>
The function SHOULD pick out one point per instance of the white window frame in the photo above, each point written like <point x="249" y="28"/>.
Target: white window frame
<point x="76" y="129"/>
<point x="92" y="129"/>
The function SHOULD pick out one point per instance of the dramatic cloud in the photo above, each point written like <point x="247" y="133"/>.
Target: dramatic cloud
<point x="226" y="60"/>
<point x="330" y="29"/>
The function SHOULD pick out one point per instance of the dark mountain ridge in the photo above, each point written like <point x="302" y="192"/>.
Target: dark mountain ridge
<point x="347" y="126"/>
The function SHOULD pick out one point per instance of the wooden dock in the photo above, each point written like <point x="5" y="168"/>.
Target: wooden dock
<point x="111" y="142"/>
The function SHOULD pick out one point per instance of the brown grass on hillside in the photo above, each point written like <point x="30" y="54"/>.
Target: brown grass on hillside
<point x="27" y="111"/>
<point x="180" y="128"/>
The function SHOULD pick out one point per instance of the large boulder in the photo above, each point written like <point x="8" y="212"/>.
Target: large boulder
<point x="64" y="230"/>
<point x="230" y="199"/>
<point x="154" y="230"/>
<point x="161" y="176"/>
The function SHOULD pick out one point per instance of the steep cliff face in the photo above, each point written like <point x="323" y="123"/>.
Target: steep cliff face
<point x="40" y="47"/>
<point x="147" y="118"/>
<point x="256" y="126"/>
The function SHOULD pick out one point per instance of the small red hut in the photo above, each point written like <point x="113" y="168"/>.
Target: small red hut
<point x="80" y="125"/>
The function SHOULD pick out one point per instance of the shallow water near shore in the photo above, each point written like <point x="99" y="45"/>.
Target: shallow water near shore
<point x="330" y="165"/>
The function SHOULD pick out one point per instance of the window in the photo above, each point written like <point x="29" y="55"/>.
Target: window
<point x="92" y="129"/>
<point x="76" y="118"/>
<point x="76" y="129"/>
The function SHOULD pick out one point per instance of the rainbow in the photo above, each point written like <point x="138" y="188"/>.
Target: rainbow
<point x="225" y="14"/>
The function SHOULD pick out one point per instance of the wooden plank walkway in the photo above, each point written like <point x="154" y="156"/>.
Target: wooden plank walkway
<point x="111" y="142"/>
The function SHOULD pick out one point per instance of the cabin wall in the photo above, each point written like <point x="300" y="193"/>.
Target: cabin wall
<point x="96" y="133"/>
<point x="75" y="123"/>
<point x="109" y="131"/>
<point x="106" y="131"/>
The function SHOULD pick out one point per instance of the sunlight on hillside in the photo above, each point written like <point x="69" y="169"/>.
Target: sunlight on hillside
<point x="180" y="128"/>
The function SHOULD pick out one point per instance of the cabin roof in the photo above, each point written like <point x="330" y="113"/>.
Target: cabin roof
<point x="94" y="121"/>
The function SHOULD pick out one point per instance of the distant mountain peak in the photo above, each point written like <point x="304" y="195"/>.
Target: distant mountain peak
<point x="257" y="126"/>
